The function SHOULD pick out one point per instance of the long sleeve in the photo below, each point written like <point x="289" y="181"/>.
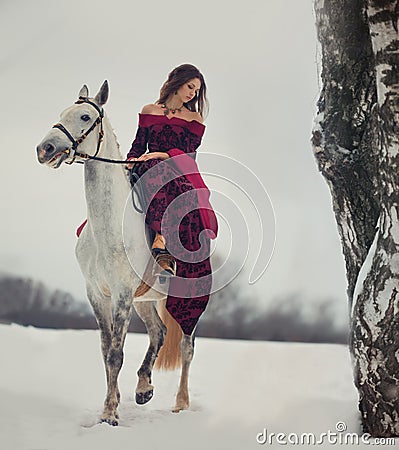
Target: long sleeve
<point x="188" y="167"/>
<point x="192" y="142"/>
<point x="139" y="145"/>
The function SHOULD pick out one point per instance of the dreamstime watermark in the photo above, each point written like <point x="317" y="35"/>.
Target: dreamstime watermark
<point x="338" y="437"/>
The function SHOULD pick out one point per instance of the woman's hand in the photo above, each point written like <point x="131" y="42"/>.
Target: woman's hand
<point x="147" y="157"/>
<point x="130" y="166"/>
<point x="153" y="155"/>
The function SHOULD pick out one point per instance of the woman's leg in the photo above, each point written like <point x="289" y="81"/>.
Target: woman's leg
<point x="159" y="241"/>
<point x="165" y="263"/>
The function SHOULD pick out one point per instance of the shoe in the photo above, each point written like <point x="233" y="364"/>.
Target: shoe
<point x="164" y="265"/>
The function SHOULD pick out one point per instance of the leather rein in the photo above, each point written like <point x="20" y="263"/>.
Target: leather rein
<point x="73" y="153"/>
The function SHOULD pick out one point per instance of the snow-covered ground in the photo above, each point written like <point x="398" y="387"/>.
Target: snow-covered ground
<point x="52" y="387"/>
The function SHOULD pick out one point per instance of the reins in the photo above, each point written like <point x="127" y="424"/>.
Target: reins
<point x="97" y="158"/>
<point x="73" y="153"/>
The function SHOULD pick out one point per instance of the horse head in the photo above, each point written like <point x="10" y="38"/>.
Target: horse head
<point x="75" y="130"/>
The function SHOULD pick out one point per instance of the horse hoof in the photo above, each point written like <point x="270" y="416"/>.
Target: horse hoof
<point x="110" y="421"/>
<point x="178" y="409"/>
<point x="181" y="406"/>
<point x="144" y="397"/>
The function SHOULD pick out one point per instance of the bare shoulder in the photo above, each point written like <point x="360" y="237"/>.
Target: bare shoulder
<point x="150" y="109"/>
<point x="197" y="116"/>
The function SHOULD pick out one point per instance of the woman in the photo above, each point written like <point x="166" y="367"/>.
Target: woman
<point x="175" y="196"/>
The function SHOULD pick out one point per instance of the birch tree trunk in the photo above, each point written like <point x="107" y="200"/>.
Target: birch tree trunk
<point x="356" y="145"/>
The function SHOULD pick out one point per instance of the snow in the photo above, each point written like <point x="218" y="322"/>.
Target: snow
<point x="365" y="269"/>
<point x="394" y="228"/>
<point x="52" y="388"/>
<point x="374" y="311"/>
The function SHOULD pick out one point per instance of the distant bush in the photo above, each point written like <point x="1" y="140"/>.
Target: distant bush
<point x="230" y="314"/>
<point x="284" y="321"/>
<point x="29" y="302"/>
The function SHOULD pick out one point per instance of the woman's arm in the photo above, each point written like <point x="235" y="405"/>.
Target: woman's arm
<point x="139" y="145"/>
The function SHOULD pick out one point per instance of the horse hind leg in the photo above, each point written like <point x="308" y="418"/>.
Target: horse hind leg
<point x="182" y="397"/>
<point x="156" y="332"/>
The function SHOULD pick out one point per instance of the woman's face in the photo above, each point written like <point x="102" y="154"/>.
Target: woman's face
<point x="189" y="90"/>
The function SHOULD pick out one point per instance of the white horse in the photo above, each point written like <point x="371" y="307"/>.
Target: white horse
<point x="102" y="252"/>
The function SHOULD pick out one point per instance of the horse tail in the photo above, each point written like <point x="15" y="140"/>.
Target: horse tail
<point x="169" y="357"/>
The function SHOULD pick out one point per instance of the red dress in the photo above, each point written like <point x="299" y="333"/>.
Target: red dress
<point x="177" y="206"/>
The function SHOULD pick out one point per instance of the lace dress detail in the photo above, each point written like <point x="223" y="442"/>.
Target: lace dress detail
<point x="165" y="182"/>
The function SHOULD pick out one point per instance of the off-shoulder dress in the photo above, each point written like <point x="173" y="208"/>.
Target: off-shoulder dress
<point x="177" y="206"/>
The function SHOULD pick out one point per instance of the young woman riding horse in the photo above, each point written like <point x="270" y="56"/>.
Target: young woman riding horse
<point x="171" y="130"/>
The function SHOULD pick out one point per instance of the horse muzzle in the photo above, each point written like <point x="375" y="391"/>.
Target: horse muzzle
<point x="50" y="155"/>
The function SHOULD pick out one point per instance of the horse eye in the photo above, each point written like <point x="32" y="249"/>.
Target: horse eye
<point x="85" y="118"/>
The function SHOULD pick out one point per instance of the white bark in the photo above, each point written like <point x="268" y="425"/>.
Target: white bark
<point x="360" y="109"/>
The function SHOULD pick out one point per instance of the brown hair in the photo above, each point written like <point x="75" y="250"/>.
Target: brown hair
<point x="180" y="75"/>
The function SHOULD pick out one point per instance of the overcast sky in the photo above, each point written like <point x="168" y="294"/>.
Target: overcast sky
<point x="259" y="61"/>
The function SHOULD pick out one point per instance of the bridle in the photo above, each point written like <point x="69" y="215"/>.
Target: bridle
<point x="72" y="153"/>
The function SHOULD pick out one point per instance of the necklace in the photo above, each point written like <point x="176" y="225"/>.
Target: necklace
<point x="172" y="110"/>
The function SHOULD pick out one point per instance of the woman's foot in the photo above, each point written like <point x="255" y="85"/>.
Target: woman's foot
<point x="164" y="265"/>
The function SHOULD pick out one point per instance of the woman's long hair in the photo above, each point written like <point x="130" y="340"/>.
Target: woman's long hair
<point x="179" y="76"/>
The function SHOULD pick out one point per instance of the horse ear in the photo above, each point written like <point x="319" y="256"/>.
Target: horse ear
<point x="84" y="92"/>
<point x="102" y="96"/>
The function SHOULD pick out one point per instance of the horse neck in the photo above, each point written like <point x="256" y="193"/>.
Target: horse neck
<point x="106" y="186"/>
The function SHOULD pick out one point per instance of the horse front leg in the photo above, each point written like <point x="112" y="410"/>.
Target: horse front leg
<point x="156" y="332"/>
<point x="114" y="359"/>
<point x="187" y="351"/>
<point x="102" y="308"/>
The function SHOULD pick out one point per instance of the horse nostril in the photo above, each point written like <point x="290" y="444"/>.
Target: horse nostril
<point x="48" y="147"/>
<point x="45" y="151"/>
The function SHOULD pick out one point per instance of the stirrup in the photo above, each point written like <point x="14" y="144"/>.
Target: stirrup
<point x="164" y="265"/>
